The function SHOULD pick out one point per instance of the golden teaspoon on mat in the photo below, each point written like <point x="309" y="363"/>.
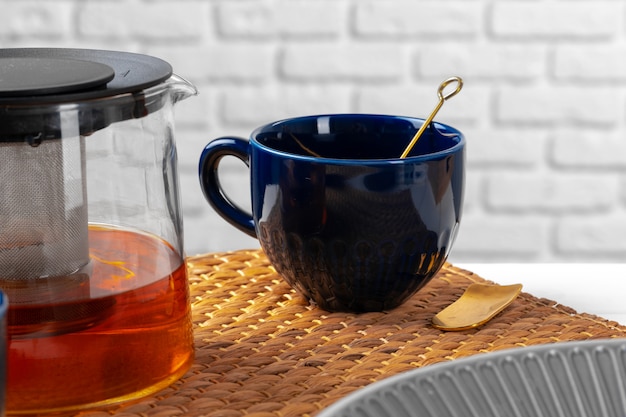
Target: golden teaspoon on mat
<point x="478" y="304"/>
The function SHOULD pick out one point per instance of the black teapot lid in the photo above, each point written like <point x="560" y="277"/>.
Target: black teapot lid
<point x="106" y="86"/>
<point x="64" y="75"/>
<point x="32" y="77"/>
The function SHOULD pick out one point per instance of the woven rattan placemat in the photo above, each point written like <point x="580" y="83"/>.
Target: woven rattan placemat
<point x="262" y="350"/>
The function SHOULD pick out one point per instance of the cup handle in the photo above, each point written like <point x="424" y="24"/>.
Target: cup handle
<point x="209" y="181"/>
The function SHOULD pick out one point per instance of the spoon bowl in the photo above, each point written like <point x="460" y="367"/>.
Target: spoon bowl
<point x="478" y="304"/>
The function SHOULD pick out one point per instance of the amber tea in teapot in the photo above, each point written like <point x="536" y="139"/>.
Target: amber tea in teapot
<point x="143" y="320"/>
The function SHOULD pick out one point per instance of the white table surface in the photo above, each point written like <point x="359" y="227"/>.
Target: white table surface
<point x="598" y="289"/>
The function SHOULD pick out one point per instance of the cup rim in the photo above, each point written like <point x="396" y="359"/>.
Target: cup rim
<point x="369" y="161"/>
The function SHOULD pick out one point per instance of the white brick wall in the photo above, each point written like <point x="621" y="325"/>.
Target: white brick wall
<point x="543" y="105"/>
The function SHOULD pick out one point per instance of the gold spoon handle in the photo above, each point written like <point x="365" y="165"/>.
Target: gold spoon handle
<point x="442" y="99"/>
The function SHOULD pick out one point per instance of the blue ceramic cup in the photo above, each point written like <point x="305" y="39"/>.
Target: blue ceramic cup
<point x="340" y="216"/>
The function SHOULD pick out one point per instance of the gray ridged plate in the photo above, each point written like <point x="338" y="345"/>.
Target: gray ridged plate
<point x="567" y="379"/>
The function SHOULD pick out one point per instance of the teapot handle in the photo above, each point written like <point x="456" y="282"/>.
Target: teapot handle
<point x="209" y="181"/>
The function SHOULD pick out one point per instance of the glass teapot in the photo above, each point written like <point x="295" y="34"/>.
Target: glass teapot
<point x="91" y="241"/>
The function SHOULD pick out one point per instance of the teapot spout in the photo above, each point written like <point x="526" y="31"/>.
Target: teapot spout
<point x="180" y="88"/>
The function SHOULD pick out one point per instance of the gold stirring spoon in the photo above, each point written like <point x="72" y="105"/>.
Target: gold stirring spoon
<point x="442" y="98"/>
<point x="480" y="302"/>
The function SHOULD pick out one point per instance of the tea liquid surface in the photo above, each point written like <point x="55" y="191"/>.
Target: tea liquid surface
<point x="124" y="330"/>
